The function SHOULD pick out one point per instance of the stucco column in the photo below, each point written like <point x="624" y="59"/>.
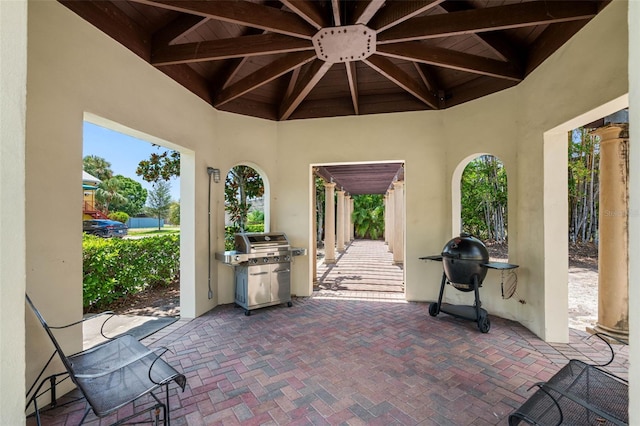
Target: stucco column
<point x="340" y="221"/>
<point x="314" y="236"/>
<point x="390" y="216"/>
<point x="398" y="222"/>
<point x="329" y="223"/>
<point x="613" y="246"/>
<point x="352" y="228"/>
<point x="347" y="217"/>
<point x="386" y="218"/>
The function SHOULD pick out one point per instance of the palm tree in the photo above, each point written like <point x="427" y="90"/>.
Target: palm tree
<point x="108" y="192"/>
<point x="368" y="216"/>
<point x="97" y="167"/>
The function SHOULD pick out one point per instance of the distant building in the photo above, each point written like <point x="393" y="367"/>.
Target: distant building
<point x="89" y="187"/>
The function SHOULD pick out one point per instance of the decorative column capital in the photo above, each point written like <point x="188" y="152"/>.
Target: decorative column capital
<point x="329" y="184"/>
<point x="612" y="131"/>
<point x="398" y="184"/>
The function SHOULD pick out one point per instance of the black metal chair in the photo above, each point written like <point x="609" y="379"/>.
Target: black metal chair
<point x="109" y="375"/>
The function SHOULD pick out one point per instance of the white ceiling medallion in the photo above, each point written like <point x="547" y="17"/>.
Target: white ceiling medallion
<point x="345" y="44"/>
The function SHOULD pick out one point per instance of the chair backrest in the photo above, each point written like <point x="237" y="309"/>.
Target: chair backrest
<point x="58" y="348"/>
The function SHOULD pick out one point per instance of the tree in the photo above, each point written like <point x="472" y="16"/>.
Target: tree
<point x="97" y="167"/>
<point x="161" y="166"/>
<point x="135" y="196"/>
<point x="108" y="192"/>
<point x="174" y="213"/>
<point x="320" y="196"/>
<point x="159" y="200"/>
<point x="583" y="179"/>
<point x="368" y="216"/>
<point x="484" y="199"/>
<point x="242" y="183"/>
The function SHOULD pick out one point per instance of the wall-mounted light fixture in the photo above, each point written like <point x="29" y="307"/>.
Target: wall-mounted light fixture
<point x="215" y="173"/>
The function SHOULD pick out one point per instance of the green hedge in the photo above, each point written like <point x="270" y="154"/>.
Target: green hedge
<point x="114" y="268"/>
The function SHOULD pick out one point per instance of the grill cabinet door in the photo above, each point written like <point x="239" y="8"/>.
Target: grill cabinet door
<point x="281" y="282"/>
<point x="259" y="285"/>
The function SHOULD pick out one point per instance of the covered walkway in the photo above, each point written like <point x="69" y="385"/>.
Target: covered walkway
<point x="364" y="270"/>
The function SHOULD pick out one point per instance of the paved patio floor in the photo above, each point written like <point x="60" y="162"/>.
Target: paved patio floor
<point x="342" y="359"/>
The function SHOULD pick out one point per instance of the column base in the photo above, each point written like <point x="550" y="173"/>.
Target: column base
<point x="618" y="334"/>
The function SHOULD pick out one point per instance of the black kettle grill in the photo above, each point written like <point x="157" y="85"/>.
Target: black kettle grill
<point x="465" y="261"/>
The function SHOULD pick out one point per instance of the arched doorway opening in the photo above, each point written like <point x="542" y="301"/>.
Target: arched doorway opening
<point x="481" y="205"/>
<point x="246" y="202"/>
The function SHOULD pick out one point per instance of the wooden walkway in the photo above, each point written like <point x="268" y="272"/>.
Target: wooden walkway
<point x="365" y="267"/>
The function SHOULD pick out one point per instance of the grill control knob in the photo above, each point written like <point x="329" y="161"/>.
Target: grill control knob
<point x="265" y="259"/>
<point x="287" y="258"/>
<point x="254" y="260"/>
<point x="277" y="258"/>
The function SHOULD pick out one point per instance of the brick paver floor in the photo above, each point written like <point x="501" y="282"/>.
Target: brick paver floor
<point x="351" y="362"/>
<point x="366" y="267"/>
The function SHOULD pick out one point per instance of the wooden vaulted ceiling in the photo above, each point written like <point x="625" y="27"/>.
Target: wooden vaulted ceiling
<point x="257" y="57"/>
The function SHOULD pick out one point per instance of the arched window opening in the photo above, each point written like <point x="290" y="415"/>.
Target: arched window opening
<point x="483" y="203"/>
<point x="244" y="202"/>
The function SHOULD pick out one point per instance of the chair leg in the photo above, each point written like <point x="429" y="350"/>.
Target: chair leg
<point x="86" y="413"/>
<point x="167" y="410"/>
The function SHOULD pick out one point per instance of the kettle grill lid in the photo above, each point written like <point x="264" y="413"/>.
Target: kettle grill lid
<point x="466" y="247"/>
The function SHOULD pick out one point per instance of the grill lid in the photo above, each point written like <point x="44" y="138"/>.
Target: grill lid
<point x="466" y="247"/>
<point x="259" y="242"/>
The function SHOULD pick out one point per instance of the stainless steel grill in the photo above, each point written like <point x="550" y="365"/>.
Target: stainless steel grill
<point x="262" y="269"/>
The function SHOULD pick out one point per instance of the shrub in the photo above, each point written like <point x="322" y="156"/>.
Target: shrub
<point x="116" y="268"/>
<point x="255" y="227"/>
<point x="119" y="216"/>
<point x="231" y="230"/>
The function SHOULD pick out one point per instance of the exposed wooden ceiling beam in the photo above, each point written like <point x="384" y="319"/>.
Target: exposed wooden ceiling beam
<point x="179" y="27"/>
<point x="316" y="71"/>
<point x="489" y="19"/>
<point x="109" y="19"/>
<point x="398" y="11"/>
<point x="263" y="76"/>
<point x="475" y="89"/>
<point x="418" y="52"/>
<point x="365" y="10"/>
<point x="391" y="71"/>
<point x="496" y="41"/>
<point x="309" y="11"/>
<point x="226" y="74"/>
<point x="213" y="50"/>
<point x="352" y="79"/>
<point x="292" y="83"/>
<point x="550" y="41"/>
<point x="427" y="77"/>
<point x="242" y="13"/>
<point x="189" y="79"/>
<point x="337" y="18"/>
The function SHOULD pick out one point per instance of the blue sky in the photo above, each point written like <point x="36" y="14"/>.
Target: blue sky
<point x="123" y="152"/>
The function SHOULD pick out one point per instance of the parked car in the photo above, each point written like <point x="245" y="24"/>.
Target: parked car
<point x="104" y="228"/>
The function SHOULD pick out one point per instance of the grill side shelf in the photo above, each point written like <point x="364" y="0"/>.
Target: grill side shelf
<point x="436" y="257"/>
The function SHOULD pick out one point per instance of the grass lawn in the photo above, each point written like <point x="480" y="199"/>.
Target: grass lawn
<point x="168" y="229"/>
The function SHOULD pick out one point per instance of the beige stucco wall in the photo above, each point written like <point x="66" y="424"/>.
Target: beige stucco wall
<point x="13" y="65"/>
<point x="634" y="209"/>
<point x="511" y="125"/>
<point x="74" y="72"/>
